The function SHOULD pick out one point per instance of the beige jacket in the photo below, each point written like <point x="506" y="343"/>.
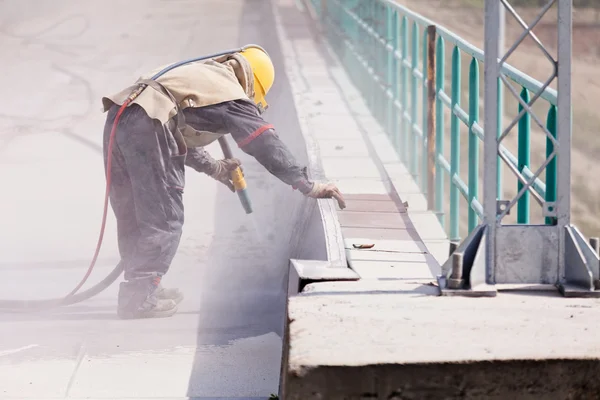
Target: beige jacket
<point x="198" y="84"/>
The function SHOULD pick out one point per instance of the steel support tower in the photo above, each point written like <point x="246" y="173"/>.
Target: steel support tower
<point x="497" y="255"/>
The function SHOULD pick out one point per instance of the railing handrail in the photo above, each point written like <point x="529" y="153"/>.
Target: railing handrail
<point x="396" y="74"/>
<point x="513" y="73"/>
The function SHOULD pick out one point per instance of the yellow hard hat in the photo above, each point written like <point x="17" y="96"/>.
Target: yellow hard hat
<point x="264" y="74"/>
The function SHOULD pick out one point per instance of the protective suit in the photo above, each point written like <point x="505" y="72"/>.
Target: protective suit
<point x="160" y="133"/>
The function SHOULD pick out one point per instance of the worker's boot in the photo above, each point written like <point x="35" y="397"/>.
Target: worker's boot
<point x="174" y="294"/>
<point x="138" y="299"/>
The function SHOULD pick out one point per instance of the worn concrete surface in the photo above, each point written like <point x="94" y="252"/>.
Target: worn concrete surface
<point x="388" y="335"/>
<point x="515" y="346"/>
<point x="58" y="59"/>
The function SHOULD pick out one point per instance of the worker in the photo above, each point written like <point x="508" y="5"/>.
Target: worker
<point x="165" y="129"/>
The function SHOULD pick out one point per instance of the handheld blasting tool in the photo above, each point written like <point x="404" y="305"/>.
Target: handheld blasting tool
<point x="237" y="177"/>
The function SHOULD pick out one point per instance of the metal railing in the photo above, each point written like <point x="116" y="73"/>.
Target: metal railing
<point x="372" y="39"/>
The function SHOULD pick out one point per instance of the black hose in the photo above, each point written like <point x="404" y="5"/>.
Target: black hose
<point x="46" y="304"/>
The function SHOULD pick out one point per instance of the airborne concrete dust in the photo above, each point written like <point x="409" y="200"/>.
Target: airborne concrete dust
<point x="59" y="58"/>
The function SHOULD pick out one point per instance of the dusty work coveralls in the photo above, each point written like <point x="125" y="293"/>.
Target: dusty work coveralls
<point x="150" y="152"/>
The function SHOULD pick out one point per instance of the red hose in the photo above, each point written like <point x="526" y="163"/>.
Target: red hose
<point x="106" y="197"/>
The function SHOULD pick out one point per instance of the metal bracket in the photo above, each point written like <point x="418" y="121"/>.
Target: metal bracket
<point x="582" y="266"/>
<point x="502" y="205"/>
<point x="464" y="273"/>
<point x="549" y="209"/>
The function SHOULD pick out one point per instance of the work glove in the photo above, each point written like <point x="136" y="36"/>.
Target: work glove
<point x="327" y="191"/>
<point x="222" y="171"/>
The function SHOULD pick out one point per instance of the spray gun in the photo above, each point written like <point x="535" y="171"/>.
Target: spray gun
<point x="239" y="183"/>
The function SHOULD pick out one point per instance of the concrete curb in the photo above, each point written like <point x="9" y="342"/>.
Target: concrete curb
<point x="321" y="223"/>
<point x="320" y="254"/>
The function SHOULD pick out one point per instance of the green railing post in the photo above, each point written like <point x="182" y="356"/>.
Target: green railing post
<point x="551" y="168"/>
<point x="392" y="33"/>
<point x="377" y="50"/>
<point x="473" y="141"/>
<point x="424" y="106"/>
<point x="364" y="41"/>
<point x="524" y="158"/>
<point x="440" y="71"/>
<point x="370" y="47"/>
<point x="372" y="38"/>
<point x="454" y="147"/>
<point x="354" y="66"/>
<point x="383" y="54"/>
<point x="404" y="90"/>
<point x="413" y="99"/>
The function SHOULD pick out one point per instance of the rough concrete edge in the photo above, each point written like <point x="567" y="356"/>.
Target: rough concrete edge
<point x="356" y="101"/>
<point x="304" y="272"/>
<point x="512" y="379"/>
<point x="336" y="266"/>
<point x="334" y="242"/>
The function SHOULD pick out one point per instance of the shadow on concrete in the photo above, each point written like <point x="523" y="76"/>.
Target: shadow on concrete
<point x="244" y="295"/>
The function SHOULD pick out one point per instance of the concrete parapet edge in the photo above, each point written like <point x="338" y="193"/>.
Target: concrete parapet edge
<point x="514" y="379"/>
<point x="319" y="249"/>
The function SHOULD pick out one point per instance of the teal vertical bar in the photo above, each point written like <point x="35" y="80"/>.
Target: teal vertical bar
<point x="404" y="89"/>
<point x="371" y="87"/>
<point x="389" y="71"/>
<point x="393" y="70"/>
<point x="424" y="125"/>
<point x="551" y="168"/>
<point x="440" y="71"/>
<point x="365" y="41"/>
<point x="454" y="146"/>
<point x="362" y="76"/>
<point x="383" y="64"/>
<point x="341" y="22"/>
<point x="473" y="141"/>
<point x="355" y="37"/>
<point x="524" y="158"/>
<point x="377" y="62"/>
<point x="413" y="100"/>
<point x="375" y="58"/>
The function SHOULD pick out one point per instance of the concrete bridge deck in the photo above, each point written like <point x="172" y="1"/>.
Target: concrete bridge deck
<point x="369" y="338"/>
